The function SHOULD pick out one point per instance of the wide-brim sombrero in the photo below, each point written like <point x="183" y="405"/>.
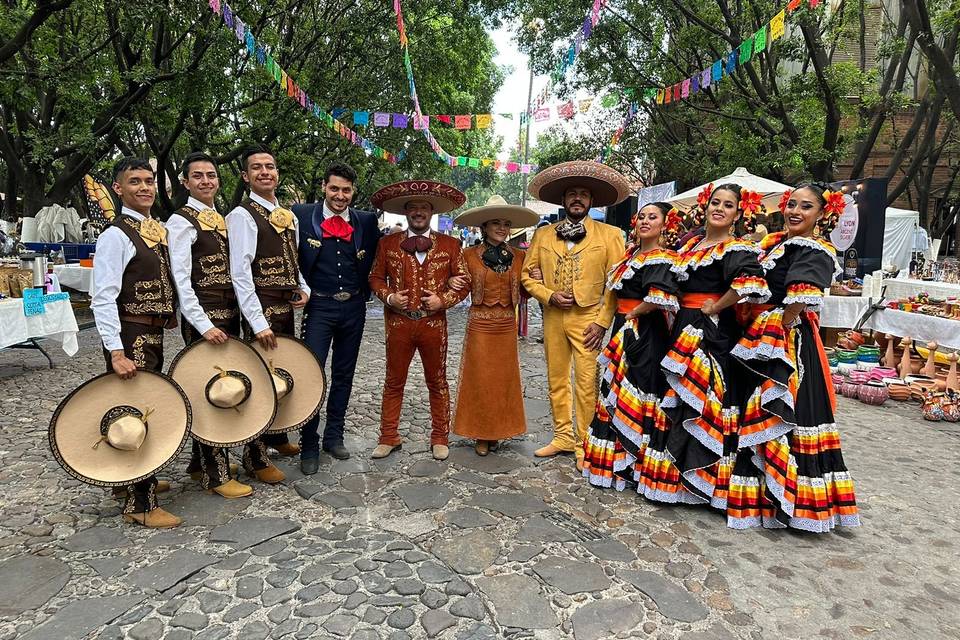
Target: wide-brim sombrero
<point x="294" y="361"/>
<point x="606" y="184"/>
<point x="198" y="365"/>
<point x="393" y="197"/>
<point x="75" y="428"/>
<point x="498" y="209"/>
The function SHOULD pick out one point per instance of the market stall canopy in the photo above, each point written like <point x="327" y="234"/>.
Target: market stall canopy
<point x="771" y="190"/>
<point x="900" y="225"/>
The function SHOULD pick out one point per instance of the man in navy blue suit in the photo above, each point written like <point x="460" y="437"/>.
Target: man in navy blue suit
<point x="337" y="246"/>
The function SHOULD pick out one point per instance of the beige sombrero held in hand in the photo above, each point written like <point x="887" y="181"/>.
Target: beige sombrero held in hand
<point x="394" y="197"/>
<point x="498" y="209"/>
<point x="607" y="185"/>
<point x="300" y="383"/>
<point x="111" y="432"/>
<point x="230" y="390"/>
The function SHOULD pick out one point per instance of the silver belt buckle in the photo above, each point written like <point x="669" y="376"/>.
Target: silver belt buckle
<point x="416" y="315"/>
<point x="342" y="296"/>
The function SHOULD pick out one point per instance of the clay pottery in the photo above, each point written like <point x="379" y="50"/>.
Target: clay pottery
<point x="920" y="385"/>
<point x="890" y="358"/>
<point x="952" y="373"/>
<point x="898" y="391"/>
<point x="856" y="337"/>
<point x="859" y="376"/>
<point x="874" y="393"/>
<point x="850" y="389"/>
<point x="906" y="367"/>
<point x="882" y="373"/>
<point x="930" y="368"/>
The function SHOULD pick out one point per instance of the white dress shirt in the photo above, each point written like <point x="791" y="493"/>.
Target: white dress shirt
<point x="181" y="234"/>
<point x="421" y="255"/>
<point x="242" y="232"/>
<point x="329" y="213"/>
<point x="114" y="252"/>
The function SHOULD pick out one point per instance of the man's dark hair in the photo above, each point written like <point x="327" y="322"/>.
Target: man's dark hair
<point x="341" y="170"/>
<point x="130" y="163"/>
<point x="196" y="156"/>
<point x="253" y="150"/>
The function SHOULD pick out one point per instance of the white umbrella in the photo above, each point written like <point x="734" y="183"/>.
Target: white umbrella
<point x="771" y="190"/>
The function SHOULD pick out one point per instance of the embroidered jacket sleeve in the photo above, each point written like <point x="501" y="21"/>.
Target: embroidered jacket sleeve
<point x="535" y="288"/>
<point x="378" y="273"/>
<point x="660" y="285"/>
<point x="114" y="253"/>
<point x="180" y="238"/>
<point x="296" y="235"/>
<point x="809" y="273"/>
<point x="458" y="267"/>
<point x="741" y="268"/>
<point x="242" y="231"/>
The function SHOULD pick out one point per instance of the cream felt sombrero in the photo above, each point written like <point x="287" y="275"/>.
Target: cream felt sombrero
<point x="111" y="432"/>
<point x="607" y="185"/>
<point x="230" y="390"/>
<point x="393" y="197"/>
<point x="298" y="378"/>
<point x="498" y="209"/>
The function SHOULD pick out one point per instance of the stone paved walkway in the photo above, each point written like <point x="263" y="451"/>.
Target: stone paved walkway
<point x="498" y="547"/>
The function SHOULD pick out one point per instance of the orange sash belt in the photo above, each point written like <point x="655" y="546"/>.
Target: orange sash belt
<point x="696" y="300"/>
<point x="626" y="305"/>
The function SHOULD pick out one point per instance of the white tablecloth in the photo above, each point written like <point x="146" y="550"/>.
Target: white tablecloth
<point x="56" y="323"/>
<point x="921" y="328"/>
<point x="842" y="312"/>
<point x="74" y="276"/>
<point x="897" y="288"/>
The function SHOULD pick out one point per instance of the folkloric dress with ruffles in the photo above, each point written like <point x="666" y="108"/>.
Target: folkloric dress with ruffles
<point x="706" y="384"/>
<point x="628" y="414"/>
<point x="796" y="477"/>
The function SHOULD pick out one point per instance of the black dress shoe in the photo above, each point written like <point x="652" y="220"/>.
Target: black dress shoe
<point x="309" y="466"/>
<point x="338" y="451"/>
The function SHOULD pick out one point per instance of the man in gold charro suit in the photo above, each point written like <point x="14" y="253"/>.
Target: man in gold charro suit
<point x="566" y="270"/>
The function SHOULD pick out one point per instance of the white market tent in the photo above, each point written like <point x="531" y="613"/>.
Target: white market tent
<point x="771" y="190"/>
<point x="898" y="236"/>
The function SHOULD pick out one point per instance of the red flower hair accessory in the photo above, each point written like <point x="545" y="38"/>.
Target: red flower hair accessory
<point x="784" y="199"/>
<point x="835" y="202"/>
<point x="703" y="198"/>
<point x="750" y="203"/>
<point x="674" y="220"/>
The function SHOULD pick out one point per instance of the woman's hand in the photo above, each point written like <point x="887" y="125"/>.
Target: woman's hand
<point x="709" y="308"/>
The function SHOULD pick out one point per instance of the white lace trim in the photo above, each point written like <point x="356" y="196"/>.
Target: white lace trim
<point x="682" y="266"/>
<point x="770" y="260"/>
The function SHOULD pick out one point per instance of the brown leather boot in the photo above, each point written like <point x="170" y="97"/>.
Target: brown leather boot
<point x="269" y="475"/>
<point x="286" y="449"/>
<point x="482" y="447"/>
<point x="155" y="519"/>
<point x="232" y="489"/>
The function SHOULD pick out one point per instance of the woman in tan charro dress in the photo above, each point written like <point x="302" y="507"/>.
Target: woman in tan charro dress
<point x="490" y="398"/>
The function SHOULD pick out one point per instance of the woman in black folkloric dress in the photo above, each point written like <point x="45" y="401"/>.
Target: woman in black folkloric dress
<point x="799" y="478"/>
<point x="628" y="410"/>
<point x="716" y="271"/>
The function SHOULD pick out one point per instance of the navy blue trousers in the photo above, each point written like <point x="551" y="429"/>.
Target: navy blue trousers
<point x="336" y="329"/>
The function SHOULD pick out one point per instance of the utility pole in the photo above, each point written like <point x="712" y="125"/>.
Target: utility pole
<point x="526" y="137"/>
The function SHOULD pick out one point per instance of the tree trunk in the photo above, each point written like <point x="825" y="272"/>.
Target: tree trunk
<point x="11" y="208"/>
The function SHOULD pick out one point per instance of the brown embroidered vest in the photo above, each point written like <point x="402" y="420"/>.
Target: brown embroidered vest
<point x="211" y="260"/>
<point x="274" y="264"/>
<point x="147" y="287"/>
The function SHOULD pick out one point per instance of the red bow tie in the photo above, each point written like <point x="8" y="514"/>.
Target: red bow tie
<point x="416" y="244"/>
<point x="337" y="227"/>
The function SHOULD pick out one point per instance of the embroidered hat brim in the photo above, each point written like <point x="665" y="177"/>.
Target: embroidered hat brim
<point x="75" y="428"/>
<point x="195" y="366"/>
<point x="607" y="185"/>
<point x="309" y="388"/>
<point x="519" y="217"/>
<point x="394" y="197"/>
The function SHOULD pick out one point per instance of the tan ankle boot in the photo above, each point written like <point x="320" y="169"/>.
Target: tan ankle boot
<point x="232" y="489"/>
<point x="383" y="450"/>
<point x="269" y="475"/>
<point x="155" y="519"/>
<point x="288" y="449"/>
<point x="482" y="447"/>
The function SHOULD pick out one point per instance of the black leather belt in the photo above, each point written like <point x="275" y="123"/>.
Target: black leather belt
<point x="340" y="296"/>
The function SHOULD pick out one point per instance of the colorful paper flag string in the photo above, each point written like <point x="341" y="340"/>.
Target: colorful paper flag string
<point x="260" y="54"/>
<point x="424" y="121"/>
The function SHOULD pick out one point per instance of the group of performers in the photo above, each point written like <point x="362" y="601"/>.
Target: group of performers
<point x="713" y="386"/>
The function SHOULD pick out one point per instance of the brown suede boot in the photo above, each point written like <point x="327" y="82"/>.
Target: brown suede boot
<point x="232" y="489"/>
<point x="155" y="519"/>
<point x="286" y="449"/>
<point x="269" y="475"/>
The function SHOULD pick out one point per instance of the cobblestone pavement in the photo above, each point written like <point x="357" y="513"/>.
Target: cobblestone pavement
<point x="498" y="547"/>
